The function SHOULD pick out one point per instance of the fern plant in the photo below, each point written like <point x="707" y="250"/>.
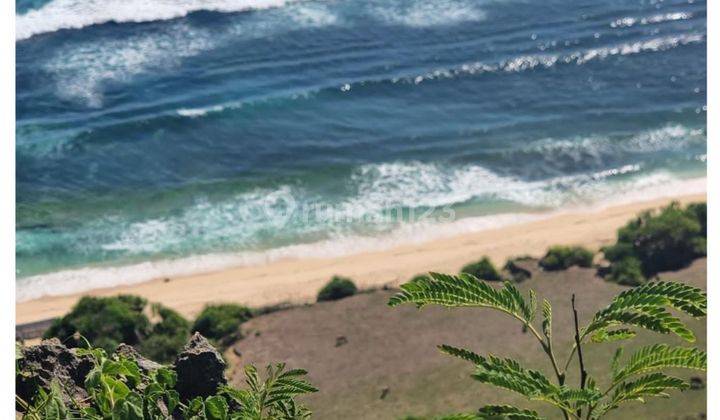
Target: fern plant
<point x="633" y="379"/>
<point x="118" y="389"/>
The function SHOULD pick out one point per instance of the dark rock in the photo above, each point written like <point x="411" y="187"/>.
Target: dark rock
<point x="129" y="352"/>
<point x="696" y="382"/>
<point x="236" y="349"/>
<point x="519" y="269"/>
<point x="341" y="341"/>
<point x="384" y="393"/>
<point x="200" y="369"/>
<point x="51" y="360"/>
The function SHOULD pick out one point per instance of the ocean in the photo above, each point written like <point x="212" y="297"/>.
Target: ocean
<point x="169" y="137"/>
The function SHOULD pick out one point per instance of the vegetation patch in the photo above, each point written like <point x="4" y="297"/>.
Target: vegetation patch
<point x="221" y="322"/>
<point x="658" y="241"/>
<point x="337" y="288"/>
<point x="483" y="269"/>
<point x="563" y="257"/>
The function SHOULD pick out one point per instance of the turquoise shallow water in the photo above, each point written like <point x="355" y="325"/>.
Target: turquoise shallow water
<point x="156" y="131"/>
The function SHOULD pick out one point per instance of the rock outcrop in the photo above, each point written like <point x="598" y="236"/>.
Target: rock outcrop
<point x="51" y="360"/>
<point x="200" y="369"/>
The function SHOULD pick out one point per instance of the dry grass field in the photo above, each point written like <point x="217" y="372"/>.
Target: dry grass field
<point x="371" y="361"/>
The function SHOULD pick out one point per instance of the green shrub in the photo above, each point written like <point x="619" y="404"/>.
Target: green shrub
<point x="104" y="321"/>
<point x="337" y="288"/>
<point x="109" y="321"/>
<point x="662" y="241"/>
<point x="167" y="336"/>
<point x="564" y="257"/>
<point x="627" y="271"/>
<point x="518" y="273"/>
<point x="221" y="322"/>
<point x="483" y="269"/>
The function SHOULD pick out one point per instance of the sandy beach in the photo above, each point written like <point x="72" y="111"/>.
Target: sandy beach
<point x="298" y="280"/>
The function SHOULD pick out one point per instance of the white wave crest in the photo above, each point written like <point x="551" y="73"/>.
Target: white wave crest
<point x="428" y="13"/>
<point x="75" y="14"/>
<point x="629" y="21"/>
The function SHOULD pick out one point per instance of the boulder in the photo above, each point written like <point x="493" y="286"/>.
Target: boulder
<point x="51" y="360"/>
<point x="127" y="351"/>
<point x="200" y="369"/>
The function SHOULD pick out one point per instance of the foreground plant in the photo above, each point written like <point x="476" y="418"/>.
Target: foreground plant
<point x="638" y="377"/>
<point x="118" y="388"/>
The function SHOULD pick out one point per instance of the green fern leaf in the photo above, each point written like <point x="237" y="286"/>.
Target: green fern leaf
<point x="653" y="385"/>
<point x="605" y="336"/>
<point x="661" y="356"/>
<point x="506" y="412"/>
<point x="465" y="290"/>
<point x="547" y="319"/>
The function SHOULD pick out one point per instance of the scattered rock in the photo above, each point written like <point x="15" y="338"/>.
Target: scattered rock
<point x="696" y="382"/>
<point x="166" y="280"/>
<point x="384" y="393"/>
<point x="341" y="341"/>
<point x="257" y="333"/>
<point x="237" y="351"/>
<point x="129" y="352"/>
<point x="51" y="360"/>
<point x="200" y="369"/>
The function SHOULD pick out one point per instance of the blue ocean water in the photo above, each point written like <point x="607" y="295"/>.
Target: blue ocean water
<point x="161" y="131"/>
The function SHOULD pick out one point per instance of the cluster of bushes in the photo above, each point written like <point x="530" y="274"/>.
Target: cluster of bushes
<point x="338" y="288"/>
<point x="108" y="321"/>
<point x="563" y="257"/>
<point x="658" y="241"/>
<point x="483" y="269"/>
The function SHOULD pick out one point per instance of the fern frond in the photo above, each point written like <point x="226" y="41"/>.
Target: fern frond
<point x="506" y="412"/>
<point x="653" y="385"/>
<point x="462" y="354"/>
<point x="547" y="319"/>
<point x="605" y="336"/>
<point x="645" y="307"/>
<point x="465" y="290"/>
<point x="688" y="299"/>
<point x="661" y="356"/>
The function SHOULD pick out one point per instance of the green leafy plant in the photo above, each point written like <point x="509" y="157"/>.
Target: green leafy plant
<point x="109" y="321"/>
<point x="563" y="257"/>
<point x="483" y="269"/>
<point x="118" y="389"/>
<point x="337" y="288"/>
<point x="221" y="323"/>
<point x="632" y="379"/>
<point x="660" y="241"/>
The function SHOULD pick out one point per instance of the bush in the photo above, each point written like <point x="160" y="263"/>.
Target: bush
<point x="109" y="321"/>
<point x="518" y="273"/>
<point x="564" y="257"/>
<point x="627" y="271"/>
<point x="337" y="288"/>
<point x="221" y="322"/>
<point x="483" y="269"/>
<point x="664" y="241"/>
<point x="167" y="336"/>
<point x="104" y="321"/>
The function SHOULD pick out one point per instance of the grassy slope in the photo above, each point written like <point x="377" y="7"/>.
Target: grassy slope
<point x="394" y="349"/>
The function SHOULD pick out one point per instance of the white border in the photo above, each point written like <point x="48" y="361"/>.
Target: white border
<point x="7" y="210"/>
<point x="713" y="185"/>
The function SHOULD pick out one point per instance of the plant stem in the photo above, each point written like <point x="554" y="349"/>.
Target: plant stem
<point x="547" y="348"/>
<point x="583" y="372"/>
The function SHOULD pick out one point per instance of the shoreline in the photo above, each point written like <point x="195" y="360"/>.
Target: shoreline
<point x="297" y="280"/>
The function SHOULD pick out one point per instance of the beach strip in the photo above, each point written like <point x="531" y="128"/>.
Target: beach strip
<point x="298" y="280"/>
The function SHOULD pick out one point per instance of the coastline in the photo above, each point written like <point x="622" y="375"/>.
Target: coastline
<point x="297" y="280"/>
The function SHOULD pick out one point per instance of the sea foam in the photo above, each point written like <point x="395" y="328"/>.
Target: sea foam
<point x="76" y="14"/>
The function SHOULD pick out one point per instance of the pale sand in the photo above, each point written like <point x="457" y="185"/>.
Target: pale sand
<point x="298" y="280"/>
